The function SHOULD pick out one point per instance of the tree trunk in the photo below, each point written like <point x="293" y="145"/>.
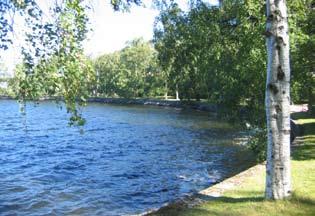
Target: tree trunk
<point x="220" y="3"/>
<point x="278" y="172"/>
<point x="177" y="94"/>
<point x="311" y="98"/>
<point x="166" y="90"/>
<point x="97" y="83"/>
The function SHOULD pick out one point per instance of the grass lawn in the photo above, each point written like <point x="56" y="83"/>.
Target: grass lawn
<point x="248" y="198"/>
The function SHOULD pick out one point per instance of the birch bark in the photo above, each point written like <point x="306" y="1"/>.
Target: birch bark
<point x="166" y="91"/>
<point x="177" y="93"/>
<point x="278" y="174"/>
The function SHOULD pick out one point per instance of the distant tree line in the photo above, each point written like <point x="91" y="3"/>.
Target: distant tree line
<point x="132" y="72"/>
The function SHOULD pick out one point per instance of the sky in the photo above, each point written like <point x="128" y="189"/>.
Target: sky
<point x="111" y="30"/>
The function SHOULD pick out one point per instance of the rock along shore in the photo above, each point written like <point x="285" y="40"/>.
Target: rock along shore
<point x="200" y="106"/>
<point x="157" y="102"/>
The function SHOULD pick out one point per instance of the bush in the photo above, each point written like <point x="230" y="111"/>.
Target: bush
<point x="258" y="144"/>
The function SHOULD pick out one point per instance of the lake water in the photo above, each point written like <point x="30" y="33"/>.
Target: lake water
<point x="125" y="160"/>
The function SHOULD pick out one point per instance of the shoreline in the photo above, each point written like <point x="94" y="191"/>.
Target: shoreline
<point x="212" y="192"/>
<point x="195" y="105"/>
<point x="216" y="191"/>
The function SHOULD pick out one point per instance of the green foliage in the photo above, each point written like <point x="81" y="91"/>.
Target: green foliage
<point x="107" y="73"/>
<point x="67" y="78"/>
<point x="219" y="53"/>
<point x="258" y="144"/>
<point x="215" y="53"/>
<point x="130" y="73"/>
<point x="53" y="60"/>
<point x="124" y="4"/>
<point x="302" y="54"/>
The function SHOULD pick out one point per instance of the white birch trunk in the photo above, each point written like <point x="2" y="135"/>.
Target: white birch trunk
<point x="220" y="3"/>
<point x="166" y="90"/>
<point x="278" y="174"/>
<point x="177" y="93"/>
<point x="97" y="83"/>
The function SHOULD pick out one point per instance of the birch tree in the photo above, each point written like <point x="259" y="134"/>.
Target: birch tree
<point x="278" y="175"/>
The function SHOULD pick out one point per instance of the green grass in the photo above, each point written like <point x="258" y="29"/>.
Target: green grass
<point x="248" y="198"/>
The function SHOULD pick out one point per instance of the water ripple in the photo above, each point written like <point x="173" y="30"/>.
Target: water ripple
<point x="128" y="159"/>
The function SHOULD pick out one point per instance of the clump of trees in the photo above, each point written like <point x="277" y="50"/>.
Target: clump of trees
<point x="302" y="52"/>
<point x="218" y="53"/>
<point x="215" y="53"/>
<point x="132" y="72"/>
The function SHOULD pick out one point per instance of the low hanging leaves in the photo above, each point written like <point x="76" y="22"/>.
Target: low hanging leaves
<point x="54" y="64"/>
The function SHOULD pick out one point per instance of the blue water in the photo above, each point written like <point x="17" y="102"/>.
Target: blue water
<point x="125" y="160"/>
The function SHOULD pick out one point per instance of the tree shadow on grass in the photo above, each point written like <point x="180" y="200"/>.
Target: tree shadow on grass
<point x="200" y="210"/>
<point x="248" y="202"/>
<point x="222" y="206"/>
<point x="181" y="208"/>
<point x="224" y="199"/>
<point x="304" y="151"/>
<point x="301" y="115"/>
<point x="308" y="128"/>
<point x="304" y="147"/>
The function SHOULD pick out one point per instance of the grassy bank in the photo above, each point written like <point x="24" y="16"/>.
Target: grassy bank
<point x="248" y="197"/>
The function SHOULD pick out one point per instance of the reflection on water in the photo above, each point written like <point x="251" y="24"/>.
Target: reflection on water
<point x="129" y="159"/>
